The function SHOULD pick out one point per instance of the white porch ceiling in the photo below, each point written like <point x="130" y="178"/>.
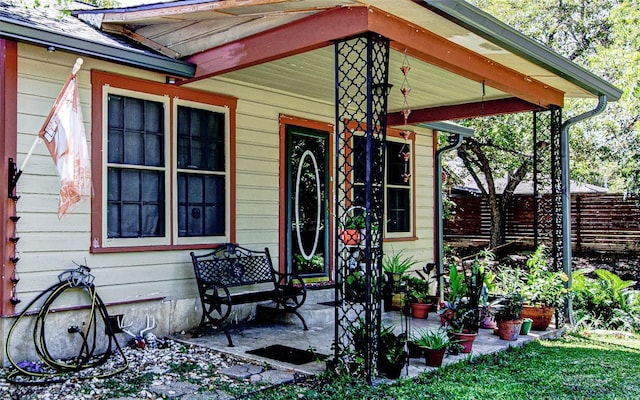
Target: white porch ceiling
<point x="186" y="28"/>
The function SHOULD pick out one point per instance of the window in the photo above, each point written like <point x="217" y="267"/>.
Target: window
<point x="398" y="189"/>
<point x="201" y="172"/>
<point x="397" y="184"/>
<point x="165" y="172"/>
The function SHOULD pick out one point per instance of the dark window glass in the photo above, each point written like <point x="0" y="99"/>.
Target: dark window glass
<point x="135" y="205"/>
<point x="396" y="163"/>
<point x="200" y="196"/>
<point x="200" y="139"/>
<point x="135" y="131"/>
<point x="398" y="210"/>
<point x="135" y="198"/>
<point x="201" y="205"/>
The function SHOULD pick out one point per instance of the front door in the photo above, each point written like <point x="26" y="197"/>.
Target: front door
<point x="307" y="183"/>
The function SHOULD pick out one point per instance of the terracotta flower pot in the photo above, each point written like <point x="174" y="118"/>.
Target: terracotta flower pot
<point x="433" y="358"/>
<point x="540" y="315"/>
<point x="509" y="330"/>
<point x="466" y="339"/>
<point x="350" y="237"/>
<point x="420" y="310"/>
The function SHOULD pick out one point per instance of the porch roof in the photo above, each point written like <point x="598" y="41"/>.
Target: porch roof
<point x="464" y="62"/>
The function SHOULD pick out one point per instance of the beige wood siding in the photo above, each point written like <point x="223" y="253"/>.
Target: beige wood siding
<point x="48" y="246"/>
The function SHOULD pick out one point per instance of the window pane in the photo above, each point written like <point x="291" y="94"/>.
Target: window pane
<point x="200" y="139"/>
<point x="116" y="114"/>
<point x="201" y="209"/>
<point x="135" y="204"/>
<point x="115" y="146"/>
<point x="131" y="185"/>
<point x="396" y="164"/>
<point x="398" y="210"/>
<point x="133" y="114"/>
<point x="136" y="131"/>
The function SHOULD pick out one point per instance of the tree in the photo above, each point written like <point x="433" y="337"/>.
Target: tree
<point x="602" y="36"/>
<point x="500" y="150"/>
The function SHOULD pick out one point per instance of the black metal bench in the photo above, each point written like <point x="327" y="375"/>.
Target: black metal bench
<point x="231" y="274"/>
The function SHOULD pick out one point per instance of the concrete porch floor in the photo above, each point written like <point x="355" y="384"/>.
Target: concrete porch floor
<point x="320" y="336"/>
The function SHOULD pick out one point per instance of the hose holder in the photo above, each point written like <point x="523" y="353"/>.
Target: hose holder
<point x="79" y="277"/>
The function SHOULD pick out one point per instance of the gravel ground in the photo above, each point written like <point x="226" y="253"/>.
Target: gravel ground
<point x="152" y="373"/>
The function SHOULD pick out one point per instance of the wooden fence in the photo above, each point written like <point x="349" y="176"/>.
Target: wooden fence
<point x="606" y="223"/>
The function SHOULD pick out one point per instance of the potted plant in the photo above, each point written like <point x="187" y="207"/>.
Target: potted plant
<point x="508" y="317"/>
<point x="455" y="292"/>
<point x="464" y="323"/>
<point x="394" y="267"/>
<point x="544" y="290"/>
<point x="419" y="297"/>
<point x="392" y="356"/>
<point x="350" y="229"/>
<point x="433" y="343"/>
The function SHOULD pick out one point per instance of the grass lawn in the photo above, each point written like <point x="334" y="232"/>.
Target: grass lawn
<point x="574" y="367"/>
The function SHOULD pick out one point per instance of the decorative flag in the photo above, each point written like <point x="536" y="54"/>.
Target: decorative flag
<point x="63" y="133"/>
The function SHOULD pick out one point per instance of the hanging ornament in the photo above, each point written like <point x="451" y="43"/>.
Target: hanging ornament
<point x="405" y="89"/>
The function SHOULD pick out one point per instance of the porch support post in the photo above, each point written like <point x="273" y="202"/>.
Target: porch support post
<point x="8" y="138"/>
<point x="362" y="65"/>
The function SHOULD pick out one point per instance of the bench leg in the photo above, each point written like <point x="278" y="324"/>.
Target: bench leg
<point x="304" y="323"/>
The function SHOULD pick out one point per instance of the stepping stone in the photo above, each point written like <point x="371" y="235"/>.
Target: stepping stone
<point x="215" y="395"/>
<point x="241" y="371"/>
<point x="273" y="377"/>
<point x="174" y="390"/>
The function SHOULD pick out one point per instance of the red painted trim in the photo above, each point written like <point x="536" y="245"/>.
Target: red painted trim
<point x="284" y="121"/>
<point x="436" y="50"/>
<point x="462" y="111"/>
<point x="8" y="138"/>
<point x="305" y="34"/>
<point x="126" y="249"/>
<point x="98" y="80"/>
<point x="324" y="28"/>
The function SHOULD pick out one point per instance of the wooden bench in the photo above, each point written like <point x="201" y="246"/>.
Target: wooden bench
<point x="231" y="274"/>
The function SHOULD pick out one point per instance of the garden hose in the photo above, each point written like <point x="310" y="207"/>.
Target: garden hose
<point x="51" y="370"/>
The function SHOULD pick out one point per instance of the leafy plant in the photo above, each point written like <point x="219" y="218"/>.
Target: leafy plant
<point x="397" y="263"/>
<point x="457" y="288"/>
<point x="418" y="290"/>
<point x="606" y="301"/>
<point x="510" y="307"/>
<point x="357" y="221"/>
<point x="392" y="346"/>
<point x="544" y="286"/>
<point x="431" y="339"/>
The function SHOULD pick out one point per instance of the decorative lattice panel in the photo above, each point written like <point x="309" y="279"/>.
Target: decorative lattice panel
<point x="361" y="95"/>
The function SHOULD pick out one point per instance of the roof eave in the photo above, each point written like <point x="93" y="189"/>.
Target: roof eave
<point x="499" y="33"/>
<point x="449" y="127"/>
<point x="27" y="34"/>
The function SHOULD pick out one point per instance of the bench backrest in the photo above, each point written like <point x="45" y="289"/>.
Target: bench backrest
<point x="233" y="266"/>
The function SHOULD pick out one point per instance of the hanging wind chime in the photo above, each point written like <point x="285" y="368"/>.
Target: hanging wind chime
<point x="405" y="89"/>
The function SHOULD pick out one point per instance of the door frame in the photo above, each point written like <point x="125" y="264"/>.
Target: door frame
<point x="284" y="121"/>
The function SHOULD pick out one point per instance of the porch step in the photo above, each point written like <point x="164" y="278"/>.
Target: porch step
<point x="315" y="315"/>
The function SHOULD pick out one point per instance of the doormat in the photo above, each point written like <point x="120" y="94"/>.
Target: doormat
<point x="288" y="354"/>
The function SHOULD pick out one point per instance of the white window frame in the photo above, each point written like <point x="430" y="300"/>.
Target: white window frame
<point x="171" y="237"/>
<point x="227" y="165"/>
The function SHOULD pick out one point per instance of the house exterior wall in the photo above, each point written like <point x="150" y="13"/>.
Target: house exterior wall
<point x="161" y="283"/>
